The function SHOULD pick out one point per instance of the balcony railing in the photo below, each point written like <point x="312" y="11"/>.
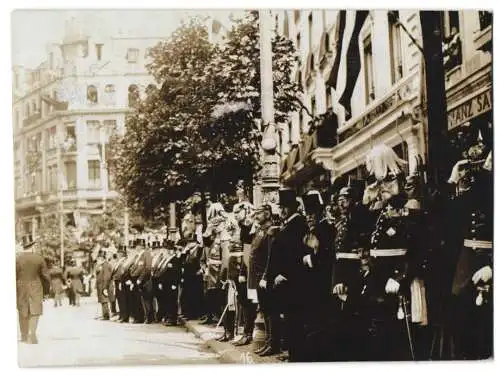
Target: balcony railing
<point x="32" y="119"/>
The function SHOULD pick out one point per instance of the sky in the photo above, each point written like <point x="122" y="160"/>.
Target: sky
<point x="32" y="30"/>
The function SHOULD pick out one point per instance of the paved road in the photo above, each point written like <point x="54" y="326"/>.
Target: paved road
<point x="70" y="336"/>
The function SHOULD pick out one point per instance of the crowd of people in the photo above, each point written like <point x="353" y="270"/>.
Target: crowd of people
<point x="379" y="272"/>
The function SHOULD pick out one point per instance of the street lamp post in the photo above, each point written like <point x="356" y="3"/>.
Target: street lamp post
<point x="61" y="144"/>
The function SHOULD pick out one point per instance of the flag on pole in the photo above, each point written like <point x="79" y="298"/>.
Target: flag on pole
<point x="347" y="62"/>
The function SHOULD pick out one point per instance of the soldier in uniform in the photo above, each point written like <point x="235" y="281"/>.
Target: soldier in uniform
<point x="32" y="283"/>
<point x="352" y="230"/>
<point x="103" y="283"/>
<point x="169" y="274"/>
<point x="126" y="286"/>
<point x="392" y="260"/>
<point x="155" y="271"/>
<point x="471" y="313"/>
<point x="288" y="274"/>
<point x="74" y="275"/>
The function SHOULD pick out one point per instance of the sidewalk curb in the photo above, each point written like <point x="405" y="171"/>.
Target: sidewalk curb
<point x="227" y="352"/>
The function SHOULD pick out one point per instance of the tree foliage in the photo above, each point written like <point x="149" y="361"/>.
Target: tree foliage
<point x="197" y="129"/>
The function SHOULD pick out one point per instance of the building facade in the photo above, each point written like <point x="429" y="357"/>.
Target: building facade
<point x="386" y="104"/>
<point x="63" y="114"/>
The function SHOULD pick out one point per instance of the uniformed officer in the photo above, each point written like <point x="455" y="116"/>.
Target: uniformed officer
<point x="352" y="231"/>
<point x="142" y="276"/>
<point x="288" y="274"/>
<point x="471" y="312"/>
<point x="392" y="254"/>
<point x="169" y="274"/>
<point x="155" y="272"/>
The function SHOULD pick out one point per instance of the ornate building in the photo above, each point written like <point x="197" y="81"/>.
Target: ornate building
<point x="63" y="114"/>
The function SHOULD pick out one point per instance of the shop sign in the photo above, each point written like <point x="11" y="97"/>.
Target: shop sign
<point x="472" y="108"/>
<point x="381" y="109"/>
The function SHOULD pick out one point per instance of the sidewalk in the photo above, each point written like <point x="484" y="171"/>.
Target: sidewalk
<point x="227" y="352"/>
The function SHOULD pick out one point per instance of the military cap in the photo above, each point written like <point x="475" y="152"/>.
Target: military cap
<point x="313" y="202"/>
<point x="288" y="197"/>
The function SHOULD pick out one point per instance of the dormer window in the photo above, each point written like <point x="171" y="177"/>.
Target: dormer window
<point x="92" y="94"/>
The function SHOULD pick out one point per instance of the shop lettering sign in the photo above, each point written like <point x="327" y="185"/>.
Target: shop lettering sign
<point x="475" y="106"/>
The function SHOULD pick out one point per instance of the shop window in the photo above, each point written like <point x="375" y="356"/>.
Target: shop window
<point x="368" y="66"/>
<point x="395" y="47"/>
<point x="92" y="94"/>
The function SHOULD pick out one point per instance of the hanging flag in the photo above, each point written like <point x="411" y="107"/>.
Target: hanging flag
<point x="339" y="40"/>
<point x="353" y="61"/>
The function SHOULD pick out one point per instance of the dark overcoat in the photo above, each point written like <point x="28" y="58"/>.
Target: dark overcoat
<point x="32" y="281"/>
<point x="103" y="281"/>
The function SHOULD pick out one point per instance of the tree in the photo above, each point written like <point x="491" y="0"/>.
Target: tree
<point x="49" y="239"/>
<point x="198" y="127"/>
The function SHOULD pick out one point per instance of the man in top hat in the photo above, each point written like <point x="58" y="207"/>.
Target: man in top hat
<point x="32" y="283"/>
<point x="103" y="283"/>
<point x="319" y="262"/>
<point x="287" y="273"/>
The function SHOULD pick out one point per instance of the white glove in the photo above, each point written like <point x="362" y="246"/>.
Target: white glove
<point x="105" y="292"/>
<point x="392" y="286"/>
<point x="138" y="282"/>
<point x="307" y="261"/>
<point x="339" y="289"/>
<point x="131" y="287"/>
<point x="484" y="274"/>
<point x="279" y="279"/>
<point x="174" y="287"/>
<point x="128" y="283"/>
<point x="263" y="283"/>
<point x="242" y="279"/>
<point x="160" y="286"/>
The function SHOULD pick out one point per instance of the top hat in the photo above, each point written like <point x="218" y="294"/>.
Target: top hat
<point x="288" y="197"/>
<point x="313" y="202"/>
<point x="28" y="241"/>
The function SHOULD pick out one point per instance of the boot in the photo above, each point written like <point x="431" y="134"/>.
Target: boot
<point x="33" y="325"/>
<point x="243" y="341"/>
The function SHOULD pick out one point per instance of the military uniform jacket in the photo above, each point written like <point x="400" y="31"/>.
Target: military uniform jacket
<point x="169" y="273"/>
<point x="393" y="250"/>
<point x="352" y="235"/>
<point x="32" y="281"/>
<point x="473" y="224"/>
<point x="140" y="271"/>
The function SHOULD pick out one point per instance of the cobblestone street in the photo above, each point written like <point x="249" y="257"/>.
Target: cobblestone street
<point x="71" y="336"/>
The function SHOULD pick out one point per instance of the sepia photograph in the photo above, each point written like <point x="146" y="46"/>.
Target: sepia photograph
<point x="252" y="186"/>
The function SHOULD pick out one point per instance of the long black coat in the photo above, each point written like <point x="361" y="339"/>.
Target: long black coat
<point x="32" y="281"/>
<point x="286" y="259"/>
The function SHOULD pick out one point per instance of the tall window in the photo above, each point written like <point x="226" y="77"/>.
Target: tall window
<point x="51" y="138"/>
<point x="296" y="15"/>
<point x="52" y="178"/>
<point x="327" y="42"/>
<point x="402" y="152"/>
<point x="133" y="55"/>
<point x="485" y="19"/>
<point x="310" y="21"/>
<point x="133" y="95"/>
<point x="368" y="63"/>
<point x="298" y="42"/>
<point x="94" y="167"/>
<point x="71" y="136"/>
<point x="93" y="133"/>
<point x="395" y="47"/>
<point x="98" y="50"/>
<point x="286" y="27"/>
<point x="70" y="174"/>
<point x="452" y="46"/>
<point x="92" y="94"/>
<point x="110" y="94"/>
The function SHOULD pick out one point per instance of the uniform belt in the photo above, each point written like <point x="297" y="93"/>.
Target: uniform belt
<point x="348" y="255"/>
<point x="482" y="244"/>
<point x="388" y="252"/>
<point x="235" y="254"/>
<point x="214" y="262"/>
